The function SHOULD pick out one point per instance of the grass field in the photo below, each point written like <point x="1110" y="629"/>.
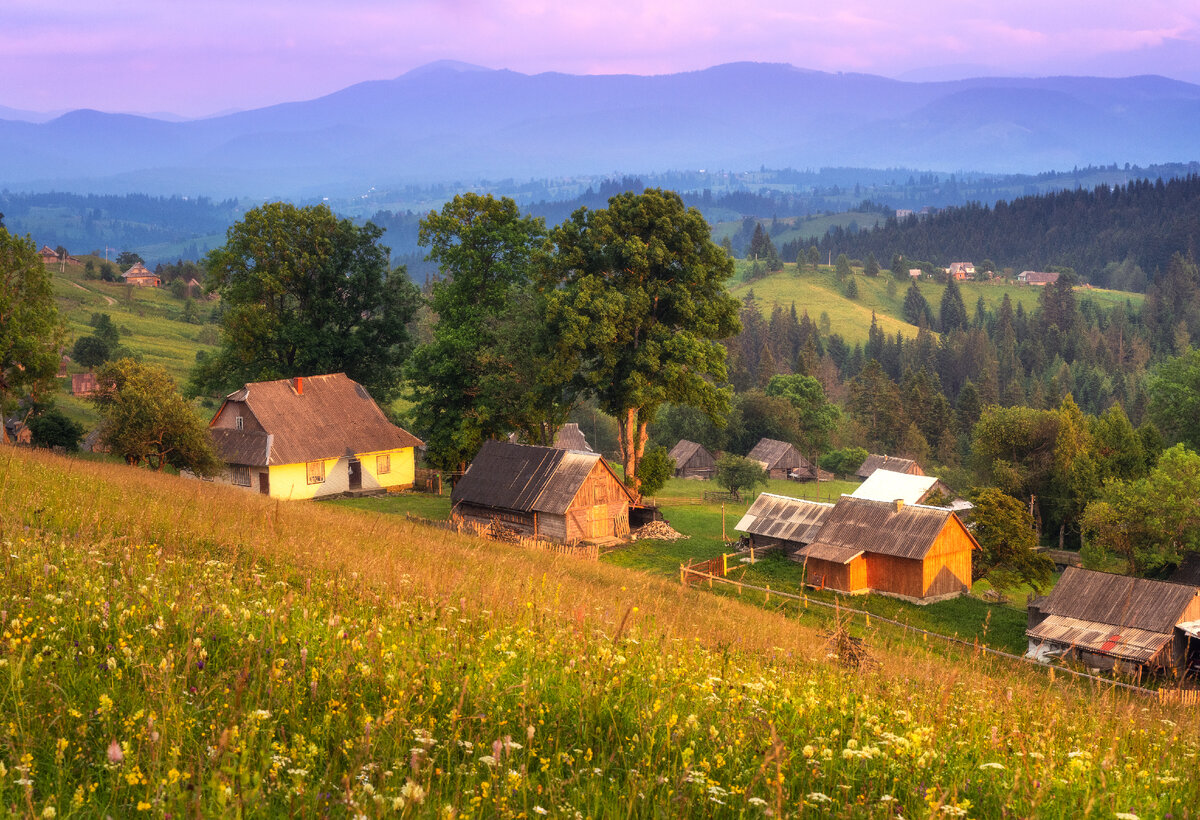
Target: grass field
<point x="818" y="292"/>
<point x="208" y="652"/>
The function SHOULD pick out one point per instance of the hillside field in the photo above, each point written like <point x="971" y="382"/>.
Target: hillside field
<point x="208" y="652"/>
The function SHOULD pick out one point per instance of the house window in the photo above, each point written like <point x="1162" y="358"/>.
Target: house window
<point x="383" y="464"/>
<point x="239" y="474"/>
<point x="239" y="422"/>
<point x="316" y="472"/>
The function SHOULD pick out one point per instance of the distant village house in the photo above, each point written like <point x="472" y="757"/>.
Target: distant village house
<point x="782" y="460"/>
<point x="141" y="276"/>
<point x="875" y="462"/>
<point x="961" y="271"/>
<point x="888" y="485"/>
<point x="83" y="384"/>
<point x="1033" y="277"/>
<point x="692" y="460"/>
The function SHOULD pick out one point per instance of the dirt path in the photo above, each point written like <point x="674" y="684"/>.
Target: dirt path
<point x="108" y="299"/>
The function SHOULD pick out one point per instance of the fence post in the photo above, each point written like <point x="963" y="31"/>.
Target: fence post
<point x="724" y="565"/>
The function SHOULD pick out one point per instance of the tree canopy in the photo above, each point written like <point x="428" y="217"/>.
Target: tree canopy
<point x="1005" y="530"/>
<point x="636" y="295"/>
<point x="31" y="333"/>
<point x="1174" y="388"/>
<point x="738" y="473"/>
<point x="306" y="293"/>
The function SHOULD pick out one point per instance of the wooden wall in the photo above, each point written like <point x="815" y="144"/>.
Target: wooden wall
<point x="600" y="510"/>
<point x="900" y="576"/>
<point x="850" y="577"/>
<point x="700" y="464"/>
<point x="947" y="566"/>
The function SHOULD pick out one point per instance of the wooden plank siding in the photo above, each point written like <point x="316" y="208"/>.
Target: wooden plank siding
<point x="947" y="566"/>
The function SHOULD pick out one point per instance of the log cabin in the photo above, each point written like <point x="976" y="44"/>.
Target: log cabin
<point x="692" y="460"/>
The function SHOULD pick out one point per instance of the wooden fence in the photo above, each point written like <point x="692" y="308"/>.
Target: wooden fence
<point x="492" y="532"/>
<point x="693" y="573"/>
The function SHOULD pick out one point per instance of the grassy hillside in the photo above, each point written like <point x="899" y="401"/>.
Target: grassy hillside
<point x="208" y="652"/>
<point x="150" y="321"/>
<point x="819" y="292"/>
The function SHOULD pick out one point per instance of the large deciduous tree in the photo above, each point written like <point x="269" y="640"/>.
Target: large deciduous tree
<point x="307" y="293"/>
<point x="815" y="415"/>
<point x="638" y="298"/>
<point x="1005" y="530"/>
<point x="1174" y="388"/>
<point x="146" y="420"/>
<point x="487" y="370"/>
<point x="30" y="331"/>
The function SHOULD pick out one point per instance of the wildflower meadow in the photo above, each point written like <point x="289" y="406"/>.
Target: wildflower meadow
<point x="171" y="648"/>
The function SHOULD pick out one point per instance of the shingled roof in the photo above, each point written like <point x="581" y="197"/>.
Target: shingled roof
<point x="1112" y="614"/>
<point x="785" y="518"/>
<point x="682" y="452"/>
<point x="570" y="437"/>
<point x="526" y="478"/>
<point x="329" y="416"/>
<point x="771" y="453"/>
<point x="856" y="525"/>
<point x="875" y="462"/>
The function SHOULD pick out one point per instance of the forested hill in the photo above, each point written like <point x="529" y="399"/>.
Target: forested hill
<point x="1119" y="237"/>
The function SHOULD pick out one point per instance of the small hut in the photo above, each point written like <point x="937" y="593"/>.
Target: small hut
<point x="692" y="460"/>
<point x="781" y="522"/>
<point x="875" y="462"/>
<point x="782" y="460"/>
<point x="917" y="553"/>
<point x="562" y="495"/>
<point x="1115" y="622"/>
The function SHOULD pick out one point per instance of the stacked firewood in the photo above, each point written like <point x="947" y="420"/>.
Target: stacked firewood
<point x="659" y="531"/>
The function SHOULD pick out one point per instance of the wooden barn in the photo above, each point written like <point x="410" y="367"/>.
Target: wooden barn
<point x="886" y="485"/>
<point x="692" y="460"/>
<point x="141" y="276"/>
<point x="1115" y="622"/>
<point x="875" y="462"/>
<point x="781" y="522"/>
<point x="561" y="495"/>
<point x="921" y="554"/>
<point x="782" y="460"/>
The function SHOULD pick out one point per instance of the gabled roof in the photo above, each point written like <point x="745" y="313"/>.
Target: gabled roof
<point x="1034" y="277"/>
<point x="877" y="526"/>
<point x="570" y="437"/>
<point x="771" y="452"/>
<point x="886" y="485"/>
<point x="1119" y="600"/>
<point x="785" y="518"/>
<point x="683" y="452"/>
<point x="138" y="270"/>
<point x="875" y="462"/>
<point x="526" y="478"/>
<point x="329" y="417"/>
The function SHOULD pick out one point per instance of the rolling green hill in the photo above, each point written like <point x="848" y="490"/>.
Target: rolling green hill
<point x="819" y="292"/>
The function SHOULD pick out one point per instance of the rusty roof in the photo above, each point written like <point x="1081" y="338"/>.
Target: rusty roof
<point x="878" y="527"/>
<point x="1107" y="639"/>
<point x="778" y="455"/>
<point x="785" y="518"/>
<point x="330" y="416"/>
<point x="875" y="462"/>
<point x="526" y="478"/>
<point x="1119" y="600"/>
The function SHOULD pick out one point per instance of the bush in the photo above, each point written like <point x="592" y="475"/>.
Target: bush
<point x="52" y="428"/>
<point x="844" y="461"/>
<point x="654" y="469"/>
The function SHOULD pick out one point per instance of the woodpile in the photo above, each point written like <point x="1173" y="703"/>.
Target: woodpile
<point x="497" y="531"/>
<point x="659" y="531"/>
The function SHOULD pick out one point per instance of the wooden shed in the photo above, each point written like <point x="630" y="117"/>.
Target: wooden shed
<point x="921" y="554"/>
<point x="692" y="460"/>
<point x="782" y="460"/>
<point x="781" y="522"/>
<point x="1117" y="622"/>
<point x="562" y="495"/>
<point x="875" y="462"/>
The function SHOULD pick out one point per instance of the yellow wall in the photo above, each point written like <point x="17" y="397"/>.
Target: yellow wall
<point x="290" y="481"/>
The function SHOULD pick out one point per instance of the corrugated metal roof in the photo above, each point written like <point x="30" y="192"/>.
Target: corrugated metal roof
<point x="330" y="417"/>
<point x="1106" y="639"/>
<point x="526" y="478"/>
<point x="778" y="455"/>
<point x="875" y="462"/>
<point x="887" y="485"/>
<point x="828" y="552"/>
<point x="785" y="518"/>
<point x="1119" y="600"/>
<point x="878" y="527"/>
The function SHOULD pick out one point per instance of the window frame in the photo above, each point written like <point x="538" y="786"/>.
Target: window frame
<point x="239" y="471"/>
<point x="315" y="471"/>
<point x="383" y="464"/>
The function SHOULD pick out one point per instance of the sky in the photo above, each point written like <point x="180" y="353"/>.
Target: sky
<point x="209" y="56"/>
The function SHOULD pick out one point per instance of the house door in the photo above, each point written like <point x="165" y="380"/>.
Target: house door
<point x="264" y="483"/>
<point x="355" y="474"/>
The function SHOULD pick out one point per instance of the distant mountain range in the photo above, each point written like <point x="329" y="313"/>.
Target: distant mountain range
<point x="455" y="122"/>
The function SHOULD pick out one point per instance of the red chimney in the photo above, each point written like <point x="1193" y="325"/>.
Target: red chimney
<point x="299" y="385"/>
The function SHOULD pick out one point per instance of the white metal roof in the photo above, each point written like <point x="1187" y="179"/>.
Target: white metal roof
<point x="885" y="485"/>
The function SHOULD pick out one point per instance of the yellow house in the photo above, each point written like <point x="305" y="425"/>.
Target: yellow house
<point x="309" y="437"/>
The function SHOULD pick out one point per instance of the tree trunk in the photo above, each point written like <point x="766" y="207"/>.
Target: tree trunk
<point x="631" y="436"/>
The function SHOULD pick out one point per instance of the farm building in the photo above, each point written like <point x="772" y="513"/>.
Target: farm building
<point x="16" y="431"/>
<point x="141" y="276"/>
<point x="782" y="460"/>
<point x="1033" y="277"/>
<point x="918" y="553"/>
<point x="570" y="437"/>
<point x="885" y="485"/>
<point x="961" y="271"/>
<point x="692" y="460"/>
<point x="309" y="437"/>
<point x="896" y="465"/>
<point x="562" y="495"/>
<point x="781" y="522"/>
<point x="1116" y="622"/>
<point x="83" y="384"/>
